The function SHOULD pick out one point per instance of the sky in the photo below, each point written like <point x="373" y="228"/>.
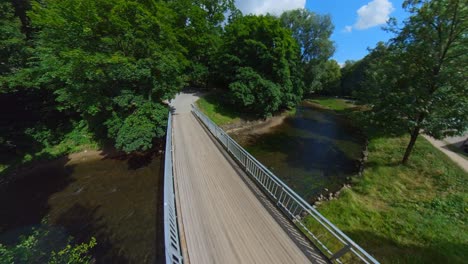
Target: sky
<point x="358" y="23"/>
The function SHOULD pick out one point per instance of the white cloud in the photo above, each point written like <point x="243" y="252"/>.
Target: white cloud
<point x="348" y="29"/>
<point x="275" y="7"/>
<point x="376" y="12"/>
<point x="373" y="14"/>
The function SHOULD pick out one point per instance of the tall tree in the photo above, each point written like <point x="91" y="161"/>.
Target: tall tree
<point x="312" y="31"/>
<point x="12" y="41"/>
<point x="331" y="78"/>
<point x="419" y="83"/>
<point x="259" y="63"/>
<point x="201" y="28"/>
<point x="353" y="73"/>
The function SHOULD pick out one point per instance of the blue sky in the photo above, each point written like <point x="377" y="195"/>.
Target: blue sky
<point x="357" y="22"/>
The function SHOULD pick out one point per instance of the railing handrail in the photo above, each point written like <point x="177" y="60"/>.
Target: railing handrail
<point x="171" y="230"/>
<point x="249" y="162"/>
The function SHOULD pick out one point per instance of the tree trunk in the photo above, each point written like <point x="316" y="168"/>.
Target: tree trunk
<point x="409" y="148"/>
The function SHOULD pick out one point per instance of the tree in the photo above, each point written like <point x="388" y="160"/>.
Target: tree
<point x="12" y="41"/>
<point x="201" y="28"/>
<point x="419" y="82"/>
<point x="353" y="73"/>
<point x="259" y="63"/>
<point x="331" y="78"/>
<point x="312" y="32"/>
<point x="112" y="61"/>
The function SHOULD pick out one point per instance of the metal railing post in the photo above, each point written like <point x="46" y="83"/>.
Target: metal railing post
<point x="171" y="229"/>
<point x="279" y="192"/>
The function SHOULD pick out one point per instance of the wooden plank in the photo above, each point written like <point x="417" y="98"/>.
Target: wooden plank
<point x="223" y="220"/>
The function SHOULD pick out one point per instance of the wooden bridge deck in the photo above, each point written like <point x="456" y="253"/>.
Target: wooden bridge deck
<point x="223" y="219"/>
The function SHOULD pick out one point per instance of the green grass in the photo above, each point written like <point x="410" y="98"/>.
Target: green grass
<point x="217" y="110"/>
<point x="221" y="113"/>
<point x="331" y="103"/>
<point x="400" y="214"/>
<point x="76" y="140"/>
<point x="405" y="214"/>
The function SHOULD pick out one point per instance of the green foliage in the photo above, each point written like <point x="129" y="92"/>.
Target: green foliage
<point x="418" y="82"/>
<point x="94" y="54"/>
<point x="258" y="50"/>
<point x="217" y="109"/>
<point x="403" y="214"/>
<point x="12" y="42"/>
<point x="253" y="92"/>
<point x="200" y="24"/>
<point x="332" y="103"/>
<point x="139" y="128"/>
<point x="39" y="248"/>
<point x="312" y="31"/>
<point x="330" y="78"/>
<point x="353" y="73"/>
<point x="74" y="254"/>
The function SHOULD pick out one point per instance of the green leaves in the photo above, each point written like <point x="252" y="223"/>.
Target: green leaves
<point x="259" y="63"/>
<point x="136" y="131"/>
<point x="417" y="82"/>
<point x="111" y="61"/>
<point x="253" y="92"/>
<point x="312" y="31"/>
<point x="43" y="246"/>
<point x="12" y="41"/>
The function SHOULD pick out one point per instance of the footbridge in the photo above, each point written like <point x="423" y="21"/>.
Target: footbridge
<point x="223" y="206"/>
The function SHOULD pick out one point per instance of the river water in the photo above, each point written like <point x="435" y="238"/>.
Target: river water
<point x="115" y="199"/>
<point x="311" y="151"/>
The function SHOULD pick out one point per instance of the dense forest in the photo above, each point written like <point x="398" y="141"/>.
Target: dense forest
<point x="83" y="71"/>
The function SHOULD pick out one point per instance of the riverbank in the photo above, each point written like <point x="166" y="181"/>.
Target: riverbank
<point x="14" y="157"/>
<point x="400" y="214"/>
<point x="104" y="194"/>
<point x="404" y="214"/>
<point x="231" y="120"/>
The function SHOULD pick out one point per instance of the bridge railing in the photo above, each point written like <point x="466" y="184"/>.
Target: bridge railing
<point x="333" y="243"/>
<point x="171" y="230"/>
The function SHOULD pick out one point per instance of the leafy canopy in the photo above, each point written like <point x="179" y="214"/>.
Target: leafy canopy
<point x="112" y="61"/>
<point x="312" y="31"/>
<point x="259" y="63"/>
<point x="418" y="82"/>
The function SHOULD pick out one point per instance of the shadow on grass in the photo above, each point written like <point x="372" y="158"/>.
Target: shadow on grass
<point x="391" y="251"/>
<point x="224" y="107"/>
<point x="457" y="148"/>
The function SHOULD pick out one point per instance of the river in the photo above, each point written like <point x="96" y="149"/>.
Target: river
<point x="116" y="199"/>
<point x="314" y="151"/>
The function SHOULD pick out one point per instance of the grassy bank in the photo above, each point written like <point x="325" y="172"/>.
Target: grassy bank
<point x="400" y="214"/>
<point x="217" y="110"/>
<point x="404" y="214"/>
<point x="222" y="113"/>
<point x="332" y="103"/>
<point x="77" y="140"/>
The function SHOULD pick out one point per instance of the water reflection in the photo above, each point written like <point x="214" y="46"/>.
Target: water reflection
<point x="313" y="150"/>
<point x="115" y="199"/>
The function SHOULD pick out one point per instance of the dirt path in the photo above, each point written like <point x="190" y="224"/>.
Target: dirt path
<point x="442" y="146"/>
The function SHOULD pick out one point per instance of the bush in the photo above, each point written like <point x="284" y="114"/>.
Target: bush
<point x="41" y="247"/>
<point x="253" y="92"/>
